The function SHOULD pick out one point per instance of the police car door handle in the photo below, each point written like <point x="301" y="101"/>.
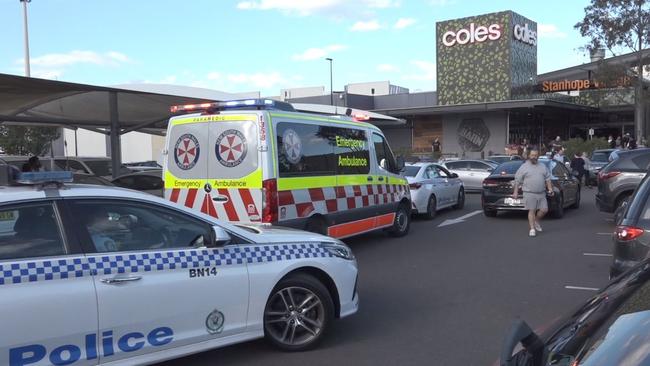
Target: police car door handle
<point x="381" y="179"/>
<point x="118" y="280"/>
<point x="370" y="179"/>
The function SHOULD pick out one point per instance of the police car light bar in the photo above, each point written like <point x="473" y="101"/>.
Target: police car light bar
<point x="233" y="104"/>
<point x="359" y="117"/>
<point x="44" y="177"/>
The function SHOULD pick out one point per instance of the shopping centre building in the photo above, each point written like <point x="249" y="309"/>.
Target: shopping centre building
<point x="489" y="94"/>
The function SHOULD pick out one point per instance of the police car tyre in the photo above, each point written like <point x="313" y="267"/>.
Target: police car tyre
<point x="431" y="208"/>
<point x="402" y="222"/>
<point x="297" y="313"/>
<point x="460" y="202"/>
<point x="490" y="213"/>
<point x="558" y="213"/>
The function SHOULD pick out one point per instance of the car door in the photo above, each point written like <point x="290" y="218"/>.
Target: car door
<point x="451" y="185"/>
<point x="385" y="164"/>
<point x="441" y="182"/>
<point x="429" y="183"/>
<point x="568" y="183"/>
<point x="478" y="171"/>
<point x="158" y="285"/>
<point x="47" y="296"/>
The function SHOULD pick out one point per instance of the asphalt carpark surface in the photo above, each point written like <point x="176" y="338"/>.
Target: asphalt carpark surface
<point x="447" y="295"/>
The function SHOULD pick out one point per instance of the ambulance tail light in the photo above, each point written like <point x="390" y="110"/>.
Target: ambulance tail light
<point x="270" y="201"/>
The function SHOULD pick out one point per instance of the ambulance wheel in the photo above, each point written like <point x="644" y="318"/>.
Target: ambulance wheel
<point x="402" y="222"/>
<point x="317" y="224"/>
<point x="297" y="313"/>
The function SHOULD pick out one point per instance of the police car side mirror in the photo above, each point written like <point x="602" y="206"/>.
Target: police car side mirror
<point x="400" y="163"/>
<point x="220" y="236"/>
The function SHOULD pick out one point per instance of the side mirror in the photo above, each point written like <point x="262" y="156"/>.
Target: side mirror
<point x="221" y="236"/>
<point x="453" y="175"/>
<point x="400" y="163"/>
<point x="489" y="170"/>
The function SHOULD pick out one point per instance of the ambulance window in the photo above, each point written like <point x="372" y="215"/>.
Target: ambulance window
<point x="385" y="157"/>
<point x="29" y="231"/>
<point x="305" y="149"/>
<point x="113" y="226"/>
<point x="352" y="151"/>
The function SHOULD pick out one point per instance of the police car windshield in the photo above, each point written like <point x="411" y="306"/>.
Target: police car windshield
<point x="410" y="171"/>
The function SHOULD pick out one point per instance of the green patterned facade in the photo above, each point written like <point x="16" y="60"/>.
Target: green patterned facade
<point x="492" y="70"/>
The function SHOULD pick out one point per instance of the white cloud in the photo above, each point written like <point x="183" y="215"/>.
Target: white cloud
<point x="318" y="53"/>
<point x="111" y="58"/>
<point x="549" y="31"/>
<point x="441" y="3"/>
<point x="258" y="80"/>
<point x="309" y="7"/>
<point x="361" y="26"/>
<point x="214" y="75"/>
<point x="404" y="22"/>
<point x="426" y="70"/>
<point x="387" y="68"/>
<point x="170" y="79"/>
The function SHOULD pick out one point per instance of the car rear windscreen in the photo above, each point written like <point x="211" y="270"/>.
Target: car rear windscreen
<point x="410" y="171"/>
<point x="509" y="167"/>
<point x="600" y="156"/>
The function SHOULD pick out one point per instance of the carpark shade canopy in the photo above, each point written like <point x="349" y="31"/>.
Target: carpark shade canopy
<point x="109" y="110"/>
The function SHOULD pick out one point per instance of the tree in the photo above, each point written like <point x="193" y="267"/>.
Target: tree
<point x="20" y="140"/>
<point x="621" y="25"/>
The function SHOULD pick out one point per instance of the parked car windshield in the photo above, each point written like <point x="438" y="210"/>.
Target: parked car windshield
<point x="509" y="167"/>
<point x="410" y="171"/>
<point x="600" y="156"/>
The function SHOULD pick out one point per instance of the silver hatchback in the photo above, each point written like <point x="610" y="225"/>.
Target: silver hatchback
<point x="471" y="172"/>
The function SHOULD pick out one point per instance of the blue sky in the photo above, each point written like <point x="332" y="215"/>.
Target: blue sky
<point x="259" y="45"/>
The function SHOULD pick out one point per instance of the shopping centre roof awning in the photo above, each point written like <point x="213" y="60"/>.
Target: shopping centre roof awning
<point x="483" y="107"/>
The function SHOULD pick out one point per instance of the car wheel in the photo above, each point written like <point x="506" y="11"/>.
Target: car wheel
<point x="402" y="222"/>
<point x="489" y="213"/>
<point x="558" y="213"/>
<point x="432" y="208"/>
<point x="460" y="201"/>
<point x="297" y="313"/>
<point x="577" y="202"/>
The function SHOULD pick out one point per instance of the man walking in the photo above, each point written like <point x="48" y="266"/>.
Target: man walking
<point x="535" y="180"/>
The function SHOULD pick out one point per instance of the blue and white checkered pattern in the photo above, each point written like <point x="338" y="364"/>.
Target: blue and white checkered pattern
<point x="75" y="267"/>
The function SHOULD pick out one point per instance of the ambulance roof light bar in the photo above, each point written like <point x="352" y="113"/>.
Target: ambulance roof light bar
<point x="233" y="105"/>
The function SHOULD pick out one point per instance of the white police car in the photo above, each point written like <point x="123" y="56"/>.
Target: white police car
<point x="93" y="275"/>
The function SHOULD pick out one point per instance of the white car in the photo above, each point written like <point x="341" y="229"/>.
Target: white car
<point x="94" y="275"/>
<point x="433" y="188"/>
<point x="471" y="172"/>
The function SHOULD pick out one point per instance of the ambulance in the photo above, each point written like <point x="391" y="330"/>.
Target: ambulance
<point x="260" y="161"/>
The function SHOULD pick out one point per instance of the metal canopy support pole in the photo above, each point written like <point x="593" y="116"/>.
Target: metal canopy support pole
<point x="116" y="150"/>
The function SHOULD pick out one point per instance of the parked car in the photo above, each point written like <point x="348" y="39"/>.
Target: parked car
<point x="471" y="172"/>
<point x="498" y="189"/>
<point x="503" y="158"/>
<point x="611" y="328"/>
<point x="598" y="159"/>
<point x="618" y="179"/>
<point x="433" y="188"/>
<point x="96" y="166"/>
<point x="632" y="235"/>
<point x="82" y="178"/>
<point x="148" y="181"/>
<point x="143" y="165"/>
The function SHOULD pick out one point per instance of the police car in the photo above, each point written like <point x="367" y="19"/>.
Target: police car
<point x="94" y="275"/>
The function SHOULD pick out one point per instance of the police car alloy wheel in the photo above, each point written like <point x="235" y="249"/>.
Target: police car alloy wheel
<point x="297" y="313"/>
<point x="431" y="208"/>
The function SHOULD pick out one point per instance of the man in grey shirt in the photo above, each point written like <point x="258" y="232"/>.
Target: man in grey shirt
<point x="535" y="180"/>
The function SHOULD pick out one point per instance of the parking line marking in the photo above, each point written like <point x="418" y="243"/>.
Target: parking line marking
<point x="597" y="254"/>
<point x="581" y="288"/>
<point x="604" y="233"/>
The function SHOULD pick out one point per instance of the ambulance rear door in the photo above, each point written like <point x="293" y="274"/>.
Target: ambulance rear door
<point x="186" y="161"/>
<point x="234" y="167"/>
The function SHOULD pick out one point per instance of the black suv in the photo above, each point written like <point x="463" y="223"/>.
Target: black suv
<point x="632" y="236"/>
<point x="612" y="328"/>
<point x="618" y="179"/>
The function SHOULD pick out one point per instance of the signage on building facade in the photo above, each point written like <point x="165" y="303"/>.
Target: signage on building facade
<point x="580" y="84"/>
<point x="525" y="34"/>
<point x="472" y="35"/>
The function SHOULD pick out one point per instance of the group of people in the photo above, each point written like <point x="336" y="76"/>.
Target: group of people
<point x="627" y="142"/>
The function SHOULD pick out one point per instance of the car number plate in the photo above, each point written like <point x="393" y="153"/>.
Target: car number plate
<point x="512" y="201"/>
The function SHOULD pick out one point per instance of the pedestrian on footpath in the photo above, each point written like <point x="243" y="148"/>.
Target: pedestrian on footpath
<point x="535" y="180"/>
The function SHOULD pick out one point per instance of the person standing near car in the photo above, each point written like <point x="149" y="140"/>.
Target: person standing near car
<point x="587" y="168"/>
<point x="578" y="167"/>
<point x="535" y="180"/>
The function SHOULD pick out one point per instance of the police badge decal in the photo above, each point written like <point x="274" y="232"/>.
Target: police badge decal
<point x="214" y="322"/>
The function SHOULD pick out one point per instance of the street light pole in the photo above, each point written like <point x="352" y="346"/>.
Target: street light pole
<point x="331" y="82"/>
<point x="27" y="71"/>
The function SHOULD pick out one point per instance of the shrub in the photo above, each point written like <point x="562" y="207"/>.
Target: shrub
<point x="576" y="145"/>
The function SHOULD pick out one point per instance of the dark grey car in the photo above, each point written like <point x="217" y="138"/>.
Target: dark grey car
<point x="618" y="179"/>
<point x="632" y="236"/>
<point x="598" y="159"/>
